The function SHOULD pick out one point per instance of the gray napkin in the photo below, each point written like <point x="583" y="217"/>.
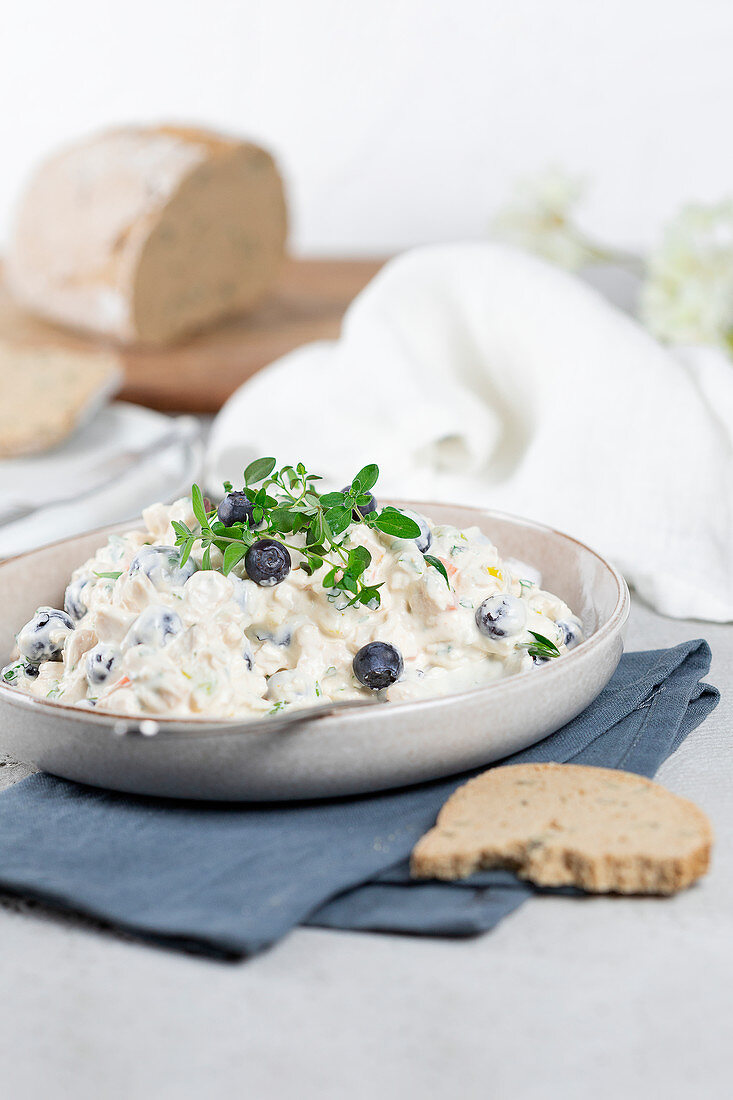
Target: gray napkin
<point x="229" y="880"/>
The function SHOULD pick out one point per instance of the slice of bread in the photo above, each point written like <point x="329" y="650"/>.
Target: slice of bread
<point x="46" y="392"/>
<point x="604" y="831"/>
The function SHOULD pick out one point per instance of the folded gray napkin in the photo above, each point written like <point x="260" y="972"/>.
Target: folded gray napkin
<point x="229" y="880"/>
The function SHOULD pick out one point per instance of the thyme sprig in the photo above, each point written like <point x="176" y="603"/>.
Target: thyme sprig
<point x="286" y="502"/>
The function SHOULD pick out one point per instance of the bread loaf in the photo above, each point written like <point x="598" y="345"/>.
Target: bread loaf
<point x="145" y="235"/>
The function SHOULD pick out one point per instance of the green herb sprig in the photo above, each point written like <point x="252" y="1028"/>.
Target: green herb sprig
<point x="540" y="647"/>
<point x="286" y="502"/>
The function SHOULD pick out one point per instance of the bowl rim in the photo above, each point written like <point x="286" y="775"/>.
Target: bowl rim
<point x="124" y="723"/>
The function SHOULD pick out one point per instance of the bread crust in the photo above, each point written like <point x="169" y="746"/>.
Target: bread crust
<point x="601" y="830"/>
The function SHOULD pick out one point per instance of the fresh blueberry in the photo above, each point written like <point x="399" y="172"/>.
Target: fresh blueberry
<point x="425" y="538"/>
<point x="236" y="508"/>
<point x="501" y="615"/>
<point x="100" y="663"/>
<point x="155" y="627"/>
<point x="74" y="605"/>
<point x="43" y="638"/>
<point x="571" y="633"/>
<point x="267" y="562"/>
<point x="162" y="565"/>
<point x="377" y="665"/>
<point x="364" y="509"/>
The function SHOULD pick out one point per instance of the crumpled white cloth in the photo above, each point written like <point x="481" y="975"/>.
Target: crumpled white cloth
<point x="479" y="374"/>
<point x="116" y="464"/>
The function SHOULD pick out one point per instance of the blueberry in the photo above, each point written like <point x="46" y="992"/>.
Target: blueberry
<point x="364" y="509"/>
<point x="154" y="627"/>
<point x="501" y="615"/>
<point x="236" y="508"/>
<point x="43" y="638"/>
<point x="74" y="605"/>
<point x="377" y="665"/>
<point x="100" y="662"/>
<point x="570" y="632"/>
<point x="267" y="562"/>
<point x="425" y="538"/>
<point x="162" y="565"/>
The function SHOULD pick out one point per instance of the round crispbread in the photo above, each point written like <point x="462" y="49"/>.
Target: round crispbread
<point x="604" y="831"/>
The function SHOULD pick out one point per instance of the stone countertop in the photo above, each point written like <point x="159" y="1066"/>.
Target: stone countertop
<point x="568" y="997"/>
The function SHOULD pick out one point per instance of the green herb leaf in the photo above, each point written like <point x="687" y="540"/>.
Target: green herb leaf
<point x="359" y="560"/>
<point x="187" y="548"/>
<point x="109" y="576"/>
<point x="540" y="647"/>
<point x="232" y="555"/>
<point x="206" y="559"/>
<point x="338" y="519"/>
<point x="259" y="470"/>
<point x="395" y="523"/>
<point x="366" y="479"/>
<point x="333" y="500"/>
<point x="437" y="564"/>
<point x="199" y="508"/>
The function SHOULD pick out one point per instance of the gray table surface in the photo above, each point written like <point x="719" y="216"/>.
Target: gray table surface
<point x="605" y="997"/>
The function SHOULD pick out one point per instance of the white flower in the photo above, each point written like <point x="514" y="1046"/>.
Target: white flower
<point x="539" y="218"/>
<point x="688" y="295"/>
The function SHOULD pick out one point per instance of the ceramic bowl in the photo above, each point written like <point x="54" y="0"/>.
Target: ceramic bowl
<point x="345" y="752"/>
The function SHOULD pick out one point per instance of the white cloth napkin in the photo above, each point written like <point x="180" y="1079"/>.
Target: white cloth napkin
<point x="478" y="374"/>
<point x="120" y="461"/>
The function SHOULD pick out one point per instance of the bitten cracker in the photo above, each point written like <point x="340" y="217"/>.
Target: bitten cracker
<point x="604" y="831"/>
<point x="46" y="392"/>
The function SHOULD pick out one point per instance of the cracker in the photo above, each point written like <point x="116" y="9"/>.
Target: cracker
<point x="604" y="831"/>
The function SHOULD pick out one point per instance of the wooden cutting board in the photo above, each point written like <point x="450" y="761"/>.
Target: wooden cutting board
<point x="199" y="375"/>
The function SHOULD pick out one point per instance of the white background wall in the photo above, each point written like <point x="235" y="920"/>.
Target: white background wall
<point x="396" y="121"/>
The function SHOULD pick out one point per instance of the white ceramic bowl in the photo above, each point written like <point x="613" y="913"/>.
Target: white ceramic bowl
<point x="346" y="752"/>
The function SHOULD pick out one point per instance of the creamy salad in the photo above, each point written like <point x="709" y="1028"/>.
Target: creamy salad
<point x="160" y="623"/>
